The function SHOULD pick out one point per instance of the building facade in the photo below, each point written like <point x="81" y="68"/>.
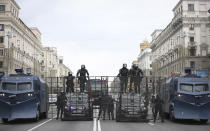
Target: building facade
<point x="19" y="45"/>
<point x="185" y="42"/>
<point x="62" y="69"/>
<point x="144" y="61"/>
<point x="50" y="61"/>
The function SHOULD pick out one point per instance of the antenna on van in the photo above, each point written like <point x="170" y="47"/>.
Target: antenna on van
<point x="28" y="71"/>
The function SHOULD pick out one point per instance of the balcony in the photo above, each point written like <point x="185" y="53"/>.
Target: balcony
<point x="191" y="44"/>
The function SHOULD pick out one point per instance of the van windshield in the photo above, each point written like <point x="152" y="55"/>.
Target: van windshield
<point x="9" y="86"/>
<point x="23" y="86"/>
<point x="201" y="87"/>
<point x="194" y="88"/>
<point x="18" y="87"/>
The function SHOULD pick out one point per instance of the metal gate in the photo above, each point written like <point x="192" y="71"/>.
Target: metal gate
<point x="103" y="96"/>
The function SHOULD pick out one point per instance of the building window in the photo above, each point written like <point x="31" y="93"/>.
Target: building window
<point x="191" y="39"/>
<point x="190" y="7"/>
<point x="1" y="52"/>
<point x="191" y="27"/>
<point x="60" y="61"/>
<point x="203" y="52"/>
<point x="1" y="64"/>
<point x="2" y="7"/>
<point x="192" y="64"/>
<point x="192" y="51"/>
<point x="1" y="39"/>
<point x="1" y="27"/>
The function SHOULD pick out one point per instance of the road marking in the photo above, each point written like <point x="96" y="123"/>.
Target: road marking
<point x="99" y="125"/>
<point x="41" y="124"/>
<point x="151" y="124"/>
<point x="94" y="124"/>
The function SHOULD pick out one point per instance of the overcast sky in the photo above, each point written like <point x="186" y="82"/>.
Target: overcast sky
<point x="102" y="34"/>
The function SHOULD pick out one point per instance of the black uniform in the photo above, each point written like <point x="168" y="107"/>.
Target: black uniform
<point x="158" y="108"/>
<point x="70" y="83"/>
<point x="61" y="102"/>
<point x="111" y="108"/>
<point x="103" y="106"/>
<point x="133" y="77"/>
<point x="81" y="74"/>
<point x="153" y="105"/>
<point x="123" y="75"/>
<point x="137" y="82"/>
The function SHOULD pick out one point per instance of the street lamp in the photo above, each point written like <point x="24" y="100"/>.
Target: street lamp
<point x="9" y="35"/>
<point x="35" y="54"/>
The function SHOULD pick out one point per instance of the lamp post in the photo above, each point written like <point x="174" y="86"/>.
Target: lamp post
<point x="9" y="35"/>
<point x="35" y="54"/>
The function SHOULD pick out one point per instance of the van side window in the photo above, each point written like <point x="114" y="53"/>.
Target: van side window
<point x="175" y="85"/>
<point x="36" y="85"/>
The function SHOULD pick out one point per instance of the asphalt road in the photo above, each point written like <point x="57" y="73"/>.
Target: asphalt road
<point x="52" y="124"/>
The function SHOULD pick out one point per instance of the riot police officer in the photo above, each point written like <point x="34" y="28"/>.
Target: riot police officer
<point x="123" y="75"/>
<point x="139" y="76"/>
<point x="103" y="105"/>
<point x="61" y="102"/>
<point x="158" y="108"/>
<point x="70" y="83"/>
<point x="134" y="77"/>
<point x="153" y="104"/>
<point x="111" y="108"/>
<point x="81" y="75"/>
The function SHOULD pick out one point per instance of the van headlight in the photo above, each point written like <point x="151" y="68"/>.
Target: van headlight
<point x="30" y="94"/>
<point x="2" y="94"/>
<point x="179" y="95"/>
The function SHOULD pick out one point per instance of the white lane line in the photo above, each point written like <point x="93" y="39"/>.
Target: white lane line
<point x="99" y="125"/>
<point x="151" y="124"/>
<point x="94" y="124"/>
<point x="41" y="124"/>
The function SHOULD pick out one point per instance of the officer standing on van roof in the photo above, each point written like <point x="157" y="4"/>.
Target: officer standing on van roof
<point x="138" y="80"/>
<point x="158" y="108"/>
<point x="123" y="75"/>
<point x="61" y="102"/>
<point x="82" y="74"/>
<point x="70" y="83"/>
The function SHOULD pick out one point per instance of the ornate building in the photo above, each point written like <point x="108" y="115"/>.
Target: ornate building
<point x="185" y="42"/>
<point x="20" y="46"/>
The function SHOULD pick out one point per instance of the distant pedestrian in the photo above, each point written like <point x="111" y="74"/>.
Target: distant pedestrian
<point x="61" y="102"/>
<point x="158" y="108"/>
<point x="123" y="76"/>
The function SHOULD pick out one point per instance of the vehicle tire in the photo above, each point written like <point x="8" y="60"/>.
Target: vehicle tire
<point x="204" y="121"/>
<point x="37" y="115"/>
<point x="171" y="114"/>
<point x="5" y="120"/>
<point x="45" y="115"/>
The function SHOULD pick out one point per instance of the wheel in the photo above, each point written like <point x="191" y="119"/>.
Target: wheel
<point x="171" y="114"/>
<point x="37" y="115"/>
<point x="203" y="121"/>
<point x="5" y="120"/>
<point x="45" y="115"/>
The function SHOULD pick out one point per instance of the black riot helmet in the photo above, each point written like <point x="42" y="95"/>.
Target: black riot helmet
<point x="70" y="74"/>
<point x="82" y="66"/>
<point x="124" y="65"/>
<point x="135" y="66"/>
